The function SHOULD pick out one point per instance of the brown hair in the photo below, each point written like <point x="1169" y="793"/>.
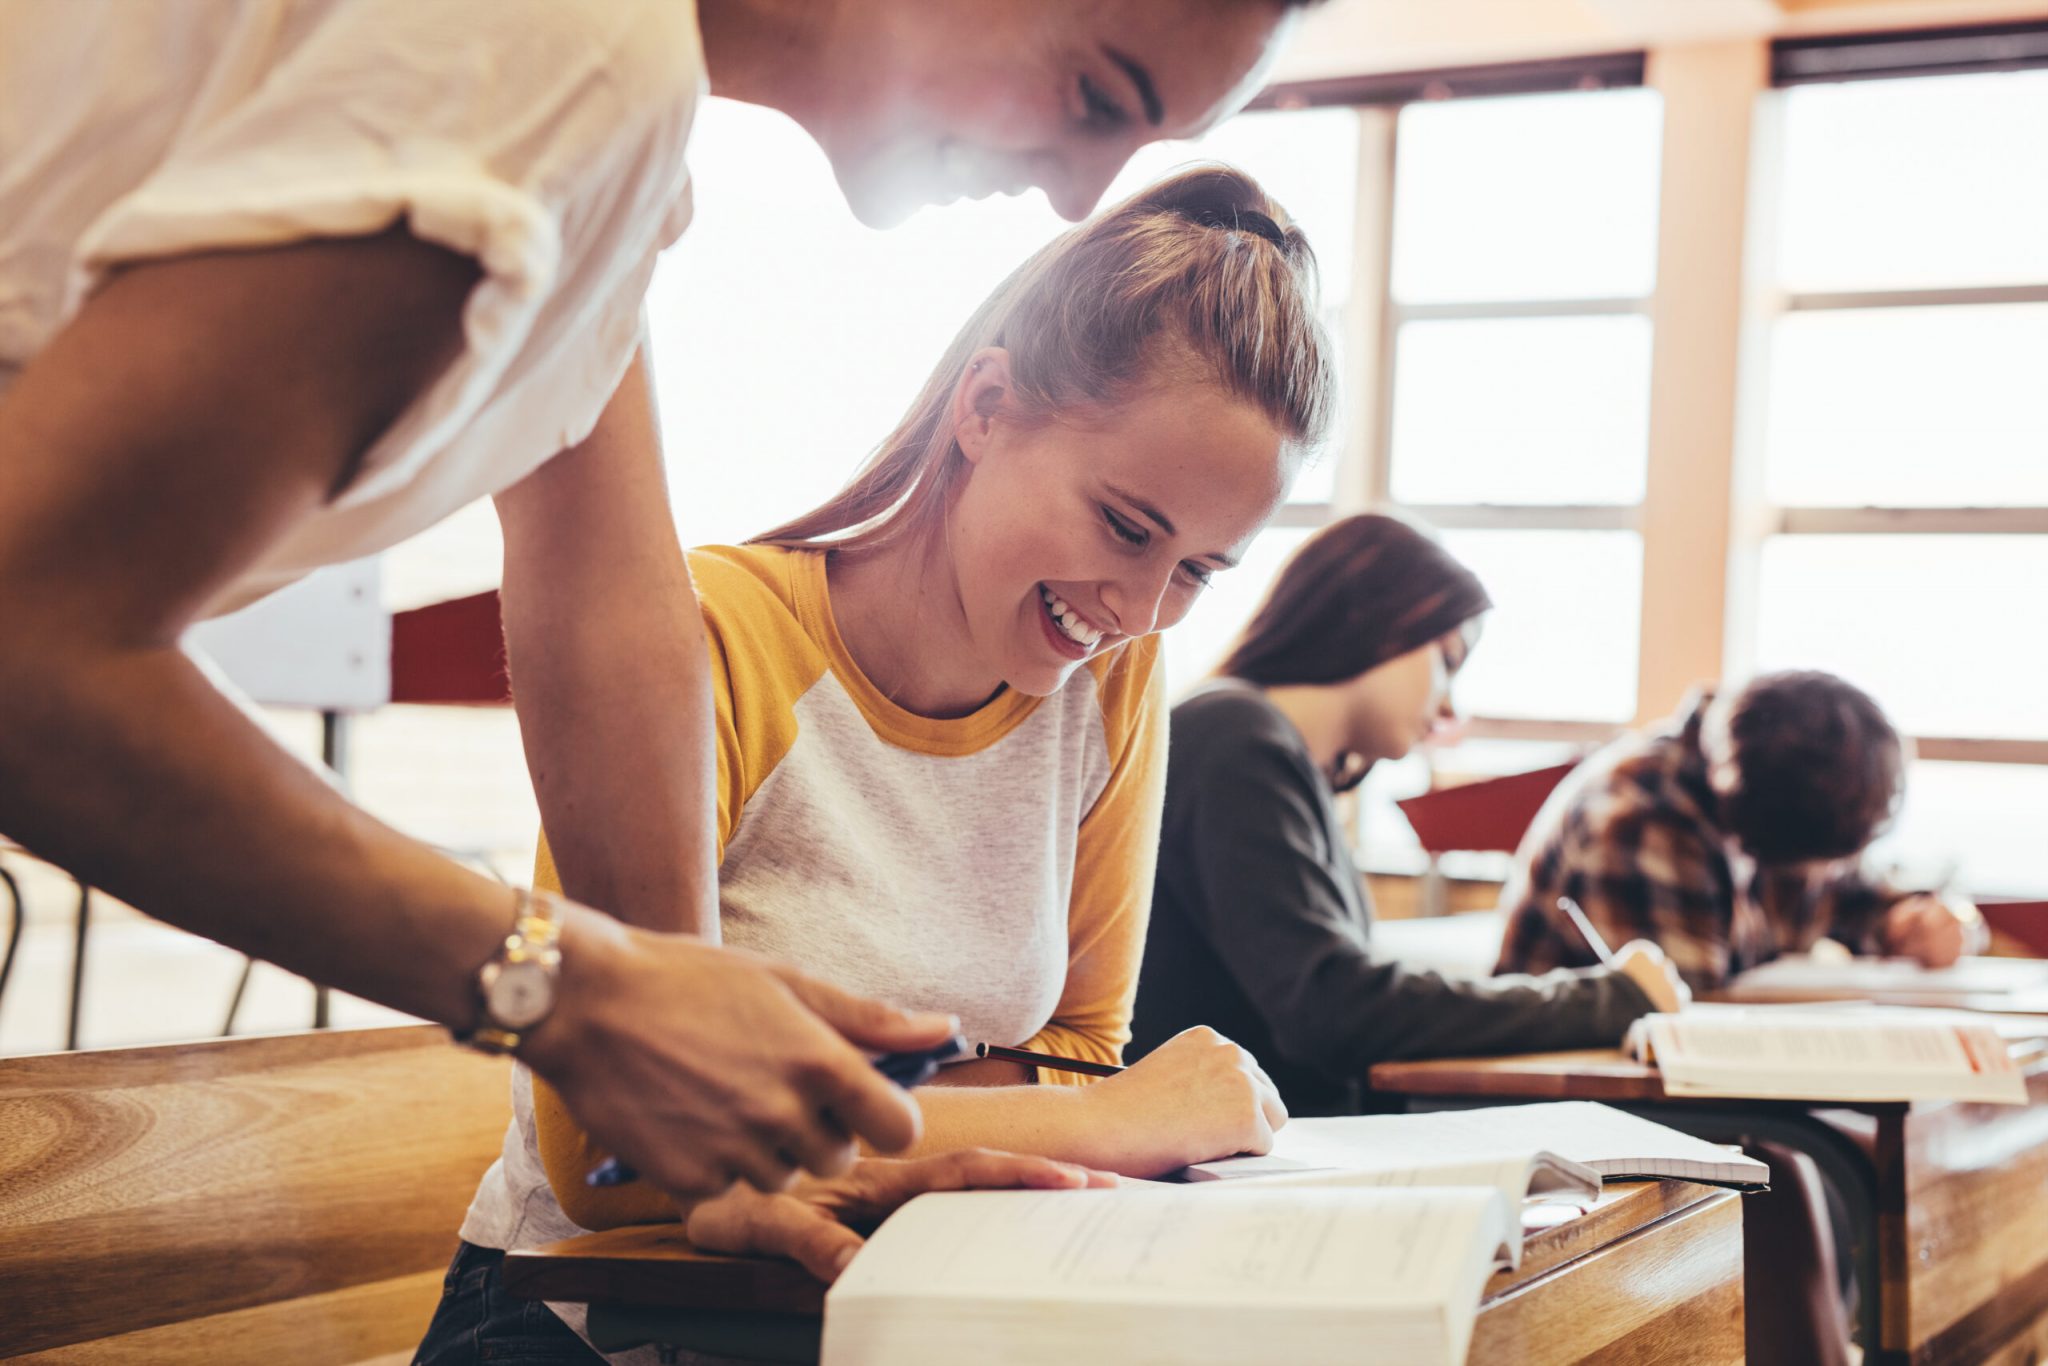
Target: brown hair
<point x="1819" y="769"/>
<point x="1358" y="593"/>
<point x="1200" y="275"/>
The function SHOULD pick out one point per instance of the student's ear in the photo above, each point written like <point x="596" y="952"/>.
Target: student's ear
<point x="978" y="399"/>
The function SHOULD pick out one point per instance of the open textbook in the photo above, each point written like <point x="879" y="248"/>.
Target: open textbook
<point x="1533" y="1145"/>
<point x="1205" y="1276"/>
<point x="1367" y="1238"/>
<point x="1866" y="1053"/>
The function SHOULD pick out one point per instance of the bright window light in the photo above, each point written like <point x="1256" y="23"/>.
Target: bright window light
<point x="1909" y="407"/>
<point x="1561" y="641"/>
<point x="1530" y="197"/>
<point x="1522" y="411"/>
<point x="1974" y="826"/>
<point x="1197" y="644"/>
<point x="1942" y="630"/>
<point x="1916" y="183"/>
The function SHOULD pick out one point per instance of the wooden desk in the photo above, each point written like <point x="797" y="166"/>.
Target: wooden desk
<point x="1652" y="1272"/>
<point x="1949" y="1202"/>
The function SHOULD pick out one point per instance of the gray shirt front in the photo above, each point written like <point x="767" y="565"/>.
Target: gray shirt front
<point x="1261" y="929"/>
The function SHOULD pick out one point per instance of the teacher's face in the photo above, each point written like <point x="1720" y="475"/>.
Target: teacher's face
<point x="936" y="100"/>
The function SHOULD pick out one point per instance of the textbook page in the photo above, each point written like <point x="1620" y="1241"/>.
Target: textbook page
<point x="1517" y="1175"/>
<point x="1870" y="1055"/>
<point x="1615" y="1144"/>
<point x="1169" y="1273"/>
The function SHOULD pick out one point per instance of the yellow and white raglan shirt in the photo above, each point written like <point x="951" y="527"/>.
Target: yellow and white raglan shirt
<point x="997" y="866"/>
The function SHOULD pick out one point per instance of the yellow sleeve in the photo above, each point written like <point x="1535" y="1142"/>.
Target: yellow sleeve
<point x="760" y="665"/>
<point x="1114" y="859"/>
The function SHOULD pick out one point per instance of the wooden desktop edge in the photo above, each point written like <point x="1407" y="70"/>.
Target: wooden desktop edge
<point x="637" y="1265"/>
<point x="1578" y="1074"/>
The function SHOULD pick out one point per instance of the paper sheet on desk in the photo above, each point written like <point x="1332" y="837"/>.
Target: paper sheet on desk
<point x="1968" y="976"/>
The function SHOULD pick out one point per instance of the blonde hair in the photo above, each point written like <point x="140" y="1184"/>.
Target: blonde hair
<point x="1201" y="275"/>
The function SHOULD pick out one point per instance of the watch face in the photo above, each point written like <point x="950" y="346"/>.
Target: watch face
<point x="520" y="995"/>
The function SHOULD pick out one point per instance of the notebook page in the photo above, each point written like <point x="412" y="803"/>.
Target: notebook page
<point x="1516" y="1175"/>
<point x="1611" y="1142"/>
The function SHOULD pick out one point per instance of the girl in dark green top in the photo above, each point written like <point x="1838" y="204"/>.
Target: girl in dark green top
<point x="1261" y="927"/>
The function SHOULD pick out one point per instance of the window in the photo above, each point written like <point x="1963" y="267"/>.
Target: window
<point x="1523" y="259"/>
<point x="1903" y="442"/>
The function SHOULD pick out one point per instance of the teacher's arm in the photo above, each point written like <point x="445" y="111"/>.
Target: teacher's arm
<point x="610" y="673"/>
<point x="193" y="412"/>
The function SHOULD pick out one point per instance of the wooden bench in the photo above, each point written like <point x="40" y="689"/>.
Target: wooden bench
<point x="292" y="1198"/>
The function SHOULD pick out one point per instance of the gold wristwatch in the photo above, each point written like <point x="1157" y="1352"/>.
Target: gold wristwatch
<point x="516" y="990"/>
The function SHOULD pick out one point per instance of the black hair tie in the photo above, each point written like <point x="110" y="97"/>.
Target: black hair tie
<point x="1243" y="220"/>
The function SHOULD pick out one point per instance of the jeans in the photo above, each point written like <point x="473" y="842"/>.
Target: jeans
<point x="478" y="1320"/>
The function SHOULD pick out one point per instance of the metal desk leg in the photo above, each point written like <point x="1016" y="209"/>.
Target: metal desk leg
<point x="78" y="965"/>
<point x="227" y="1026"/>
<point x="13" y="930"/>
<point x="1842" y="1164"/>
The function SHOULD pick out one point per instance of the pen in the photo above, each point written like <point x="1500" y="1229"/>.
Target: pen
<point x="1592" y="936"/>
<point x="1052" y="1060"/>
<point x="910" y="1069"/>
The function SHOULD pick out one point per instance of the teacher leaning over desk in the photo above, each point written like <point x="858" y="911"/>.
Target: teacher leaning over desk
<point x="283" y="282"/>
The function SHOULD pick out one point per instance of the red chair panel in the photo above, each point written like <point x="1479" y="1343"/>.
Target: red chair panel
<point x="1492" y="814"/>
<point x="451" y="653"/>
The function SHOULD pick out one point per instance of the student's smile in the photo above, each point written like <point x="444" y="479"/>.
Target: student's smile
<point x="1072" y="634"/>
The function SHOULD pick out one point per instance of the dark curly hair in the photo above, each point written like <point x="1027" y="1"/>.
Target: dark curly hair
<point x="1819" y="770"/>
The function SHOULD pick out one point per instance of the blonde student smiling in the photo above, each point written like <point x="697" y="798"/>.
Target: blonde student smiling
<point x="940" y="726"/>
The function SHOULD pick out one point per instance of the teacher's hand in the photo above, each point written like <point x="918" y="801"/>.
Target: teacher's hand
<point x="699" y="1065"/>
<point x="818" y="1222"/>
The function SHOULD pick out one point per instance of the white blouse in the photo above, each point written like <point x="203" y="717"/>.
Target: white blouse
<point x="543" y="138"/>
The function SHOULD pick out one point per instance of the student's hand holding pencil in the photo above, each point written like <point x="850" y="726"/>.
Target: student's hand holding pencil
<point x="820" y="1221"/>
<point x="1925" y="927"/>
<point x="1197" y="1096"/>
<point x="1643" y="963"/>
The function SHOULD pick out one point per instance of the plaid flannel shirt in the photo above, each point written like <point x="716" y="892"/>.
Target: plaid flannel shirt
<point x="1632" y="836"/>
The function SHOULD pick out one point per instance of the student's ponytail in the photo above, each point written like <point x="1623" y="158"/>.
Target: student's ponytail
<point x="1202" y="269"/>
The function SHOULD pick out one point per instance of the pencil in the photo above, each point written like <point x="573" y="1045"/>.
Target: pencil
<point x="1585" y="924"/>
<point x="1055" y="1062"/>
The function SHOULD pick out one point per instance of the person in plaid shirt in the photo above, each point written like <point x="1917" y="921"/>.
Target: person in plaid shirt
<point x="1728" y="839"/>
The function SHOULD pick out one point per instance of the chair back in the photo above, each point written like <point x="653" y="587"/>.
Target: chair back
<point x="2018" y="927"/>
<point x="451" y="653"/>
<point x="1490" y="815"/>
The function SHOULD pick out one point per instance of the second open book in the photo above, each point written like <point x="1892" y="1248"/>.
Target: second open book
<point x="1359" y="1238"/>
<point x="1844" y="1053"/>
